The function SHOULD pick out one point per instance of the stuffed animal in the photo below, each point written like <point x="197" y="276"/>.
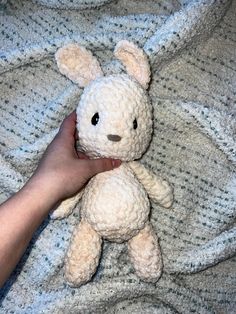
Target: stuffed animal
<point x="114" y="119"/>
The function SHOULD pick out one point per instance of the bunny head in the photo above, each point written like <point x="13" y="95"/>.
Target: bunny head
<point x="114" y="114"/>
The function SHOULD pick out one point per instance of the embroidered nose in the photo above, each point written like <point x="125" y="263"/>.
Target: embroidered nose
<point x="114" y="138"/>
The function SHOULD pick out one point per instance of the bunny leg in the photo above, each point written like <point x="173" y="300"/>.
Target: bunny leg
<point x="83" y="254"/>
<point x="145" y="254"/>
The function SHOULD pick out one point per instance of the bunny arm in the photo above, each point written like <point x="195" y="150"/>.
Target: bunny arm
<point x="66" y="207"/>
<point x="159" y="190"/>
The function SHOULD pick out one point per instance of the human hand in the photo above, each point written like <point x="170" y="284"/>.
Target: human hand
<point x="63" y="171"/>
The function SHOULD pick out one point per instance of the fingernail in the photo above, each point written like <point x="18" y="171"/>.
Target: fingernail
<point x="116" y="163"/>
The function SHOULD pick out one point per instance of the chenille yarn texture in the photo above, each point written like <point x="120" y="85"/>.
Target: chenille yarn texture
<point x="114" y="119"/>
<point x="191" y="47"/>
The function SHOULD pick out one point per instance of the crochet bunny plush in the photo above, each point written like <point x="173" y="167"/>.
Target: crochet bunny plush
<point x="114" y="119"/>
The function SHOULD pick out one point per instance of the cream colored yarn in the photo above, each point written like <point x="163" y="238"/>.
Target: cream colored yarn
<point x="114" y="119"/>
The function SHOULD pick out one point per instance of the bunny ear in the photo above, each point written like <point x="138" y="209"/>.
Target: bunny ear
<point x="135" y="61"/>
<point x="78" y="64"/>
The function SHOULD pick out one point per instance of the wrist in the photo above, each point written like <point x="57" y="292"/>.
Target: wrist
<point x="42" y="192"/>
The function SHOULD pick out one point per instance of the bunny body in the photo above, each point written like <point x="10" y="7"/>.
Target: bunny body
<point x="115" y="204"/>
<point x="114" y="119"/>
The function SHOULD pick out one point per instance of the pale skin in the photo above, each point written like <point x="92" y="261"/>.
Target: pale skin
<point x="61" y="173"/>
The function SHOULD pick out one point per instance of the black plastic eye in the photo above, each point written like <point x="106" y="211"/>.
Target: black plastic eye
<point x="135" y="124"/>
<point x="95" y="119"/>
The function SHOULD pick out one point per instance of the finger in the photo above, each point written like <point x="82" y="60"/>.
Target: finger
<point x="82" y="155"/>
<point x="96" y="166"/>
<point x="76" y="135"/>
<point x="68" y="126"/>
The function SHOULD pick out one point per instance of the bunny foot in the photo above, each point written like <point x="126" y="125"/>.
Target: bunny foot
<point x="83" y="255"/>
<point x="145" y="254"/>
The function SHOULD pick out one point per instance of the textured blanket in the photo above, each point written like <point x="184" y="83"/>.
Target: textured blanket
<point x="192" y="49"/>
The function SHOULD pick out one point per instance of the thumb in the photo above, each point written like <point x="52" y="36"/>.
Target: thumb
<point x="95" y="166"/>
